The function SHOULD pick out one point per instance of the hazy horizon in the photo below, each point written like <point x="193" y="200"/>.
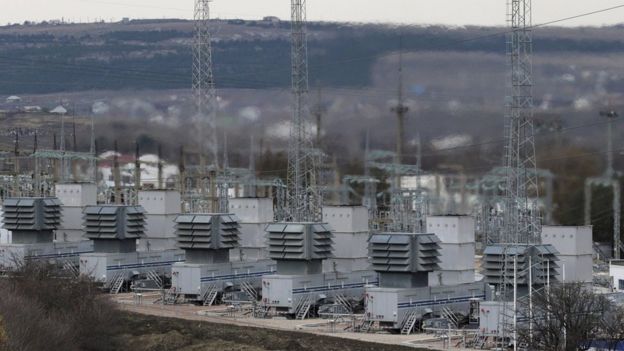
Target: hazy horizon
<point x="444" y="12"/>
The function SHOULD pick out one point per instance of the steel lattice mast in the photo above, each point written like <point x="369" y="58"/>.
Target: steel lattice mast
<point x="204" y="90"/>
<point x="522" y="220"/>
<point x="304" y="200"/>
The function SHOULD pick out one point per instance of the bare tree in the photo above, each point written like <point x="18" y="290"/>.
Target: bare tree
<point x="565" y="317"/>
<point x="42" y="309"/>
<point x="613" y="327"/>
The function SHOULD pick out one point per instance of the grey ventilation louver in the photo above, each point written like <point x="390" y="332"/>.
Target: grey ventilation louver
<point x="404" y="253"/>
<point x="299" y="241"/>
<point x="207" y="231"/>
<point x="32" y="214"/>
<point x="112" y="222"/>
<point x="498" y="263"/>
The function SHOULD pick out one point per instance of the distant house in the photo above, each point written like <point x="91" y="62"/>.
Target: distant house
<point x="59" y="110"/>
<point x="13" y="99"/>
<point x="271" y="19"/>
<point x="32" y="109"/>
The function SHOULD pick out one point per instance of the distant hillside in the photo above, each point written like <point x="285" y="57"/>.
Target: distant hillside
<point x="156" y="54"/>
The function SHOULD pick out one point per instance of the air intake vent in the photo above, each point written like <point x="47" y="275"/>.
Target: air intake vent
<point x="404" y="253"/>
<point x="207" y="231"/>
<point x="32" y="214"/>
<point x="114" y="222"/>
<point x="299" y="241"/>
<point x="498" y="263"/>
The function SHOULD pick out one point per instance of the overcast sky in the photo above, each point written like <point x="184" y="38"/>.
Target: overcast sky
<point x="449" y="12"/>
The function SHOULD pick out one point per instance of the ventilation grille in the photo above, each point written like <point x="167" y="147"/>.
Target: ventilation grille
<point x="299" y="241"/>
<point x="32" y="214"/>
<point x="207" y="231"/>
<point x="404" y="253"/>
<point x="114" y="222"/>
<point x="498" y="263"/>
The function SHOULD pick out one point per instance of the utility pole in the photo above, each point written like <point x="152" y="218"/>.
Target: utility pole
<point x="93" y="152"/>
<point x="160" y="167"/>
<point x="400" y="110"/>
<point x="63" y="161"/>
<point x="137" y="173"/>
<point x="16" y="166"/>
<point x="608" y="179"/>
<point x="182" y="177"/>
<point x="73" y="162"/>
<point x="37" y="174"/>
<point x="251" y="190"/>
<point x="304" y="199"/>
<point x="117" y="176"/>
<point x="319" y="111"/>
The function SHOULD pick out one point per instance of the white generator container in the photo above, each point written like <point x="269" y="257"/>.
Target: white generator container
<point x="104" y="267"/>
<point x="392" y="307"/>
<point x="12" y="255"/>
<point x="193" y="280"/>
<point x="286" y="293"/>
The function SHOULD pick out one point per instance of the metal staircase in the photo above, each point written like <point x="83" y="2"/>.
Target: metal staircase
<point x="342" y="300"/>
<point x="70" y="268"/>
<point x="263" y="311"/>
<point x="117" y="282"/>
<point x="303" y="308"/>
<point x="367" y="325"/>
<point x="209" y="295"/>
<point x="153" y="276"/>
<point x="171" y="296"/>
<point x="451" y="316"/>
<point x="248" y="289"/>
<point x="410" y="322"/>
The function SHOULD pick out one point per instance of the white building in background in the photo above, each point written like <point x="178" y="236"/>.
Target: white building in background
<point x="13" y="99"/>
<point x="616" y="272"/>
<point x="149" y="170"/>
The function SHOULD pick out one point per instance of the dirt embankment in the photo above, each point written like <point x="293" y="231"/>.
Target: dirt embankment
<point x="149" y="333"/>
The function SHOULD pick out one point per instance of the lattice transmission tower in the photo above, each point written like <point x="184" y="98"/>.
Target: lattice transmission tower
<point x="304" y="199"/>
<point x="204" y="90"/>
<point x="522" y="219"/>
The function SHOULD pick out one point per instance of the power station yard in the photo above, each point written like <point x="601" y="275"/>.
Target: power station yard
<point x="242" y="333"/>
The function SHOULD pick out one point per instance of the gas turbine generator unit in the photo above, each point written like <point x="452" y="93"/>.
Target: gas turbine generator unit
<point x="115" y="230"/>
<point x="208" y="272"/>
<point x="404" y="262"/>
<point x="33" y="222"/>
<point x="300" y="283"/>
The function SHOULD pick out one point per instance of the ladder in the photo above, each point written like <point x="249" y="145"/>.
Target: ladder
<point x="209" y="295"/>
<point x="342" y="300"/>
<point x="249" y="290"/>
<point x="450" y="315"/>
<point x="70" y="268"/>
<point x="303" y="308"/>
<point x="117" y="282"/>
<point x="409" y="324"/>
<point x="153" y="276"/>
